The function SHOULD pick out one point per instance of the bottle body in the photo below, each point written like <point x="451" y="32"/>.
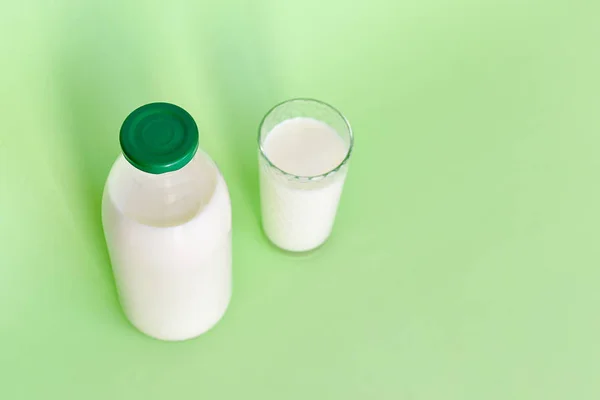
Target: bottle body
<point x="169" y="240"/>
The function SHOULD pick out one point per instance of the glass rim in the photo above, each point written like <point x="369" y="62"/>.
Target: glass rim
<point x="310" y="177"/>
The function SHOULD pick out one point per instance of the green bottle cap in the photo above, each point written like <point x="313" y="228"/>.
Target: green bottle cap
<point x="159" y="137"/>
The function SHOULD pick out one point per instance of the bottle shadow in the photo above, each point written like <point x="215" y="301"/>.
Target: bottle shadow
<point x="245" y="88"/>
<point x="101" y="76"/>
<point x="95" y="90"/>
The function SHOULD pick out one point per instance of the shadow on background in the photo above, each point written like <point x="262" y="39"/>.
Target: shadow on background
<point x="241" y="67"/>
<point x="99" y="80"/>
<point x="101" y="74"/>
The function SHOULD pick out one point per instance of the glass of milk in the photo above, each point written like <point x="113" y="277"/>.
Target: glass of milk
<point x="304" y="149"/>
<point x="166" y="215"/>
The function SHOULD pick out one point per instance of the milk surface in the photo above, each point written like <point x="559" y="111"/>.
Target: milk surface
<point x="298" y="211"/>
<point x="169" y="240"/>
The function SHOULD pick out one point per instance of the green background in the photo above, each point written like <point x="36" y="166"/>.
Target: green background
<point x="464" y="263"/>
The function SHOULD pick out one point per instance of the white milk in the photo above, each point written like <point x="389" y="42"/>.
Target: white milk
<point x="169" y="239"/>
<point x="298" y="212"/>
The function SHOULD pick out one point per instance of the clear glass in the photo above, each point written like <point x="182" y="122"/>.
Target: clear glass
<point x="298" y="211"/>
<point x="163" y="200"/>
